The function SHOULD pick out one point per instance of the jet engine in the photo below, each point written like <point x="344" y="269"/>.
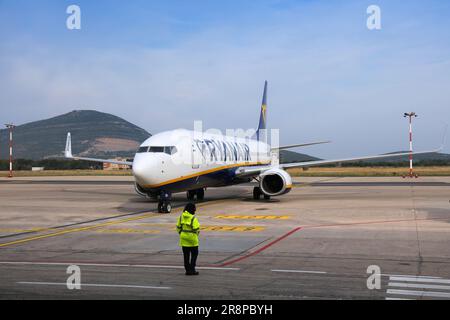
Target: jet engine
<point x="275" y="182"/>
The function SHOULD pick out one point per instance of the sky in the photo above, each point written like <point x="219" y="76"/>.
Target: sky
<point x="165" y="64"/>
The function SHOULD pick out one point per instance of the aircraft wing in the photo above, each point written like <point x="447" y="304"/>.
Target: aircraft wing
<point x="322" y="162"/>
<point x="299" y="145"/>
<point x="68" y="155"/>
<point x="254" y="170"/>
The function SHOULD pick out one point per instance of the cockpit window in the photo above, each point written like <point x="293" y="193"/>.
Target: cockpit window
<point x="156" y="149"/>
<point x="142" y="149"/>
<point x="168" y="150"/>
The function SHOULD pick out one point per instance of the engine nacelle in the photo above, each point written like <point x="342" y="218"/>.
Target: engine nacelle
<point x="275" y="182"/>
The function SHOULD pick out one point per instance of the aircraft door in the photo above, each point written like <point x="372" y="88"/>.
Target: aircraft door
<point x="196" y="155"/>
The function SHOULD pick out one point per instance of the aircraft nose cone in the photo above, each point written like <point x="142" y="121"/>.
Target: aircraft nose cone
<point x="141" y="170"/>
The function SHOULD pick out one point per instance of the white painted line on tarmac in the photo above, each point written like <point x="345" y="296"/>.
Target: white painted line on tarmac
<point x="111" y="265"/>
<point x="419" y="279"/>
<point x="408" y="276"/>
<point x="418" y="285"/>
<point x="431" y="294"/>
<point x="300" y="271"/>
<point x="397" y="299"/>
<point x="94" y="285"/>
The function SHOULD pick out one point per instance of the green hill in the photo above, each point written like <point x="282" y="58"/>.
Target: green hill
<point x="287" y="156"/>
<point x="93" y="133"/>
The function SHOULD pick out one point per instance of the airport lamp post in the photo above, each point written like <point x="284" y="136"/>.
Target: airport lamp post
<point x="410" y="115"/>
<point x="10" y="127"/>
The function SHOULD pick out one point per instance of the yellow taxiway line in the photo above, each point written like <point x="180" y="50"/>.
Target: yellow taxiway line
<point x="67" y="231"/>
<point x="75" y="230"/>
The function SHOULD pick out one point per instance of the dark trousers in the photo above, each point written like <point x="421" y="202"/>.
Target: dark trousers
<point x="190" y="258"/>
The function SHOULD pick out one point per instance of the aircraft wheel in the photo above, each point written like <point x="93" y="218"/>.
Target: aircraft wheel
<point x="200" y="194"/>
<point x="256" y="193"/>
<point x="167" y="207"/>
<point x="266" y="197"/>
<point x="164" y="207"/>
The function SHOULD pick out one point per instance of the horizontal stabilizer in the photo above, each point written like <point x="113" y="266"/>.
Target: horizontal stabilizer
<point x="68" y="155"/>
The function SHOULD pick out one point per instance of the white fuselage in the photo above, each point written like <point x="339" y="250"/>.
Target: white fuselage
<point x="181" y="159"/>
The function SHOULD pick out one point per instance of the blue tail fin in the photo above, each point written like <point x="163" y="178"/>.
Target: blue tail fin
<point x="263" y="115"/>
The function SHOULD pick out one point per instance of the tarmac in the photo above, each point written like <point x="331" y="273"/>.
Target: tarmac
<point x="323" y="240"/>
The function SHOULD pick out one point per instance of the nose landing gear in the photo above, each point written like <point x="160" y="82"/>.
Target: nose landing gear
<point x="164" y="205"/>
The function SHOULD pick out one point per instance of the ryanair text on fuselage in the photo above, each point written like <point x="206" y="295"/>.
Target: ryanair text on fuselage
<point x="224" y="151"/>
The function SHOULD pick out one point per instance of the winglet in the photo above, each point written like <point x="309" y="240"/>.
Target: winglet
<point x="68" y="151"/>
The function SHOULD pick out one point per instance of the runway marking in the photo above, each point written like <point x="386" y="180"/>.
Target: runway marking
<point x="232" y="228"/>
<point x="256" y="217"/>
<point x="149" y="266"/>
<point x="207" y="228"/>
<point x="66" y="231"/>
<point x="419" y="279"/>
<point x="261" y="249"/>
<point x="407" y="276"/>
<point x="127" y="230"/>
<point x="22" y="230"/>
<point x="95" y="285"/>
<point x="300" y="271"/>
<point x="418" y="282"/>
<point x="349" y="224"/>
<point x="418" y="285"/>
<point x="75" y="230"/>
<point x="431" y="294"/>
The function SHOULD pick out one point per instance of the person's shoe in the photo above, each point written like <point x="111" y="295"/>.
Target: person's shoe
<point x="195" y="273"/>
<point x="189" y="273"/>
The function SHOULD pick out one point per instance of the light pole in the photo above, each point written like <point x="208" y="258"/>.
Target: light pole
<point x="10" y="127"/>
<point x="410" y="115"/>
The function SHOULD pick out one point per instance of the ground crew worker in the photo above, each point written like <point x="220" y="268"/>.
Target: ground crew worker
<point x="188" y="228"/>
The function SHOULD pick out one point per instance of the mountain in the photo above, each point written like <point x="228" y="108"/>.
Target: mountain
<point x="93" y="133"/>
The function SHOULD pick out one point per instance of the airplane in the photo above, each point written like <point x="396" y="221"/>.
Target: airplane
<point x="190" y="161"/>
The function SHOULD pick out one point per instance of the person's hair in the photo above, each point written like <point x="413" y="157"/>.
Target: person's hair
<point x="190" y="207"/>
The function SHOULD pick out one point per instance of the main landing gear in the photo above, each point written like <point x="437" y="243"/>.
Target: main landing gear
<point x="199" y="193"/>
<point x="257" y="193"/>
<point x="164" y="205"/>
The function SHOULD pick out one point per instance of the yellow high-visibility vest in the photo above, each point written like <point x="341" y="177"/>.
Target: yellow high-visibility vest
<point x="189" y="228"/>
